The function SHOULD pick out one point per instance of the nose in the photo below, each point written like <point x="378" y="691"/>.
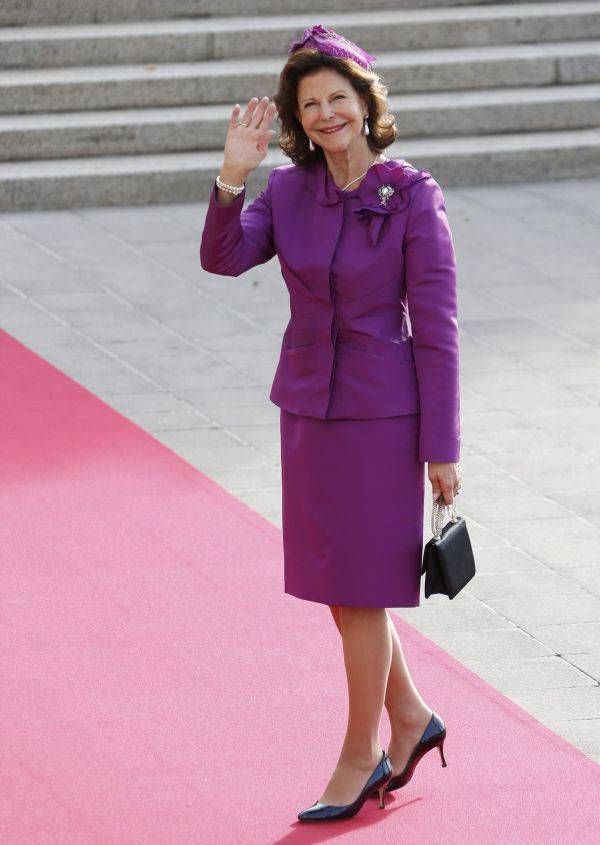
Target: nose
<point x="327" y="112"/>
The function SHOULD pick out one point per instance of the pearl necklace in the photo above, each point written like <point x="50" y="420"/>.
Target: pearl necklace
<point x="362" y="174"/>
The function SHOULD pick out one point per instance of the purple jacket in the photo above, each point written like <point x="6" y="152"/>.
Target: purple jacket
<point x="373" y="329"/>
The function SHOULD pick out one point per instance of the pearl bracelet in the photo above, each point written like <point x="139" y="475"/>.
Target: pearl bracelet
<point x="231" y="189"/>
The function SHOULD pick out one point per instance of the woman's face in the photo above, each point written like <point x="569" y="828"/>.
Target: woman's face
<point x="327" y="99"/>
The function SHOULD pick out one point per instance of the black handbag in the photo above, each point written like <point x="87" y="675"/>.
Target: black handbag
<point x="448" y="562"/>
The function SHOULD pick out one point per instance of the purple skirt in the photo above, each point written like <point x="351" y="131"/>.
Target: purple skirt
<point x="352" y="509"/>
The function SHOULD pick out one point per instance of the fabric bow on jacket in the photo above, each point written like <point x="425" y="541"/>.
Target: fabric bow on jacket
<point x="374" y="213"/>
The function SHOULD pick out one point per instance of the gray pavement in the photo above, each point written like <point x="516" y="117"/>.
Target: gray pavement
<point x="116" y="299"/>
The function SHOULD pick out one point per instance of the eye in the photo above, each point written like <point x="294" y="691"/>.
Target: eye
<point x="337" y="97"/>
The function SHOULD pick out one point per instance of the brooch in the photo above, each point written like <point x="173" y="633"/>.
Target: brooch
<point x="385" y="192"/>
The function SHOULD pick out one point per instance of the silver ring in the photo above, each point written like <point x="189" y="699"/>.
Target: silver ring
<point x="241" y="123"/>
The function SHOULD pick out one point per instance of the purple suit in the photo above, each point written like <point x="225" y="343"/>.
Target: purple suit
<point x="363" y="402"/>
<point x="349" y="353"/>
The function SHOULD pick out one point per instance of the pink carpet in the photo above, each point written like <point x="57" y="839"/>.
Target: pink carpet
<point x="158" y="686"/>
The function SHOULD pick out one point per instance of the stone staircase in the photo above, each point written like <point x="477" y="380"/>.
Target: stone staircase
<point x="123" y="103"/>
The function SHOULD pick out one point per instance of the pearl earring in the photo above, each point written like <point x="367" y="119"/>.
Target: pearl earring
<point x="366" y="126"/>
<point x="311" y="146"/>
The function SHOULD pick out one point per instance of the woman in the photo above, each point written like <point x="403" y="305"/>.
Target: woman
<point x="365" y="248"/>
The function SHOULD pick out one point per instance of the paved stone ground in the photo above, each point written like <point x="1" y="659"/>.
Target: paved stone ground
<point x="116" y="298"/>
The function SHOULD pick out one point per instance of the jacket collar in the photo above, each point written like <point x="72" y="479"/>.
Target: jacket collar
<point x="400" y="173"/>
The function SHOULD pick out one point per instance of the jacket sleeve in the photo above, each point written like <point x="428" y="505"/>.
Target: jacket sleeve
<point x="234" y="240"/>
<point x="430" y="275"/>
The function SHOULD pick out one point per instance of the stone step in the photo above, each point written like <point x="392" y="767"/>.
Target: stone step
<point x="34" y="12"/>
<point x="377" y="30"/>
<point x="237" y="80"/>
<point x="131" y="131"/>
<point x="189" y="176"/>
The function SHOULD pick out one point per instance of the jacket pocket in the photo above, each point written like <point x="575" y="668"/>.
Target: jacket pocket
<point x="380" y="347"/>
<point x="361" y="349"/>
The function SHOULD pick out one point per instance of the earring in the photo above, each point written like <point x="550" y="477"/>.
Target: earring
<point x="366" y="126"/>
<point x="311" y="146"/>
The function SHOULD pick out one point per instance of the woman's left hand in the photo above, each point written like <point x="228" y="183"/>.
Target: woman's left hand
<point x="445" y="479"/>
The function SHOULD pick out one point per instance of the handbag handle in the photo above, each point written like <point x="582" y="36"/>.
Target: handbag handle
<point x="437" y="515"/>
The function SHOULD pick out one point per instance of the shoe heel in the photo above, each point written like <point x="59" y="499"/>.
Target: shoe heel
<point x="381" y="791"/>
<point x="441" y="750"/>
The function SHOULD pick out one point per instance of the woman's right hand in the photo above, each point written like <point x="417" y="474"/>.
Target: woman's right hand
<point x="246" y="146"/>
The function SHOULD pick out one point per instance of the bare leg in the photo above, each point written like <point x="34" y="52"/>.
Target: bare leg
<point x="367" y="657"/>
<point x="409" y="715"/>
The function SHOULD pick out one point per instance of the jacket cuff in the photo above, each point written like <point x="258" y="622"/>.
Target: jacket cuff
<point x="448" y="453"/>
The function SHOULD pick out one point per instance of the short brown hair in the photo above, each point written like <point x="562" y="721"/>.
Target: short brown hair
<point x="293" y="140"/>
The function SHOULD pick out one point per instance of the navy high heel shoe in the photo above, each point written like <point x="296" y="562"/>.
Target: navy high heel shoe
<point x="376" y="783"/>
<point x="433" y="735"/>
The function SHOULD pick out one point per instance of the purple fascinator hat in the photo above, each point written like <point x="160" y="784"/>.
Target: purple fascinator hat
<point x="328" y="41"/>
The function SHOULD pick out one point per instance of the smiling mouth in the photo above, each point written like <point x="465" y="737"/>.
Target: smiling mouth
<point x="333" y="129"/>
